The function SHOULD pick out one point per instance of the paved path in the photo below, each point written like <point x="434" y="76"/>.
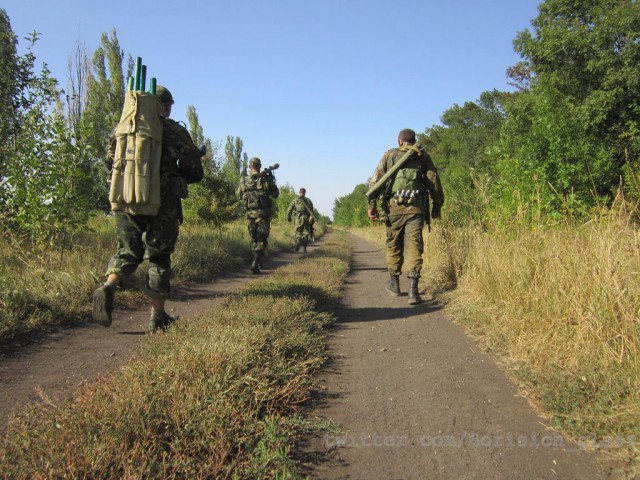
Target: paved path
<point x="418" y="399"/>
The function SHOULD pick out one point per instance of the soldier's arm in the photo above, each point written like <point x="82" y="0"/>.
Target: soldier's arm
<point x="434" y="186"/>
<point x="380" y="170"/>
<point x="111" y="152"/>
<point x="190" y="158"/>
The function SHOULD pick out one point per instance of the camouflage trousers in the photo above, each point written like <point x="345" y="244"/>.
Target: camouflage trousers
<point x="302" y="228"/>
<point x="405" y="244"/>
<point x="143" y="237"/>
<point x="259" y="229"/>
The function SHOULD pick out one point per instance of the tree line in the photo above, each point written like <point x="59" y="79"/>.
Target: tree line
<point x="53" y="143"/>
<point x="564" y="141"/>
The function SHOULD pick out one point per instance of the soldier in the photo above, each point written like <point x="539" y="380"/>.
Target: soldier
<point x="302" y="208"/>
<point x="257" y="191"/>
<point x="405" y="207"/>
<point x="152" y="237"/>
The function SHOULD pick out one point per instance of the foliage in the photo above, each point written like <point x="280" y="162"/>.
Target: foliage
<point x="235" y="160"/>
<point x="461" y="150"/>
<point x="351" y="210"/>
<point x="573" y="135"/>
<point x="40" y="189"/>
<point x="281" y="204"/>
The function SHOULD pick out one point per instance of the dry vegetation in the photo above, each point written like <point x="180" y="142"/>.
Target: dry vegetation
<point x="561" y="308"/>
<point x="215" y="397"/>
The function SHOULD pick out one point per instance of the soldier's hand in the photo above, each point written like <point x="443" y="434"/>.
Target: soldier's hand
<point x="435" y="211"/>
<point x="373" y="214"/>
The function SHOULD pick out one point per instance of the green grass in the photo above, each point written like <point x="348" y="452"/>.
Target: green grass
<point x="41" y="290"/>
<point x="215" y="397"/>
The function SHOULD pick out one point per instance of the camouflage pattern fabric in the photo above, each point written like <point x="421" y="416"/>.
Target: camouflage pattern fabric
<point x="257" y="192"/>
<point x="153" y="238"/>
<point x="405" y="222"/>
<point x="302" y="220"/>
<point x="259" y="229"/>
<point x="405" y="244"/>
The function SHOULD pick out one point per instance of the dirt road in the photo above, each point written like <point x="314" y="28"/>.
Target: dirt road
<point x="416" y="398"/>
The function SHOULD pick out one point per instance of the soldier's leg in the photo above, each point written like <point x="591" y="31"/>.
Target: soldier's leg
<point x="128" y="256"/>
<point x="414" y="251"/>
<point x="395" y="244"/>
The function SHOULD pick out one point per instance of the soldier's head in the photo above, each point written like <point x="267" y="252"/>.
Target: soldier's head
<point x="165" y="97"/>
<point x="302" y="192"/>
<point x="255" y="164"/>
<point x="406" y="135"/>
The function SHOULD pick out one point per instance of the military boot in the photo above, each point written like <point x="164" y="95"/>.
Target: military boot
<point x="414" y="295"/>
<point x="304" y="245"/>
<point x="298" y="243"/>
<point x="255" y="266"/>
<point x="393" y="285"/>
<point x="103" y="304"/>
<point x="160" y="321"/>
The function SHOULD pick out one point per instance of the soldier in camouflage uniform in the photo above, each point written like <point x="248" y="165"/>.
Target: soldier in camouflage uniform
<point x="301" y="212"/>
<point x="152" y="237"/>
<point x="257" y="191"/>
<point x="405" y="207"/>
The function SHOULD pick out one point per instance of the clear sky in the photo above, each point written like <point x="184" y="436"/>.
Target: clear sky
<point x="320" y="86"/>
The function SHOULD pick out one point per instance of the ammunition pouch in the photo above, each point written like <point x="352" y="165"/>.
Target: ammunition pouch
<point x="179" y="187"/>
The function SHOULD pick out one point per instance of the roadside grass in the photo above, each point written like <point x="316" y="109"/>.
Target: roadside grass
<point x="43" y="289"/>
<point x="561" y="308"/>
<point x="214" y="397"/>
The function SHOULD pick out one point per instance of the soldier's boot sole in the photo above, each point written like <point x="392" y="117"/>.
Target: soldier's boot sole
<point x="103" y="305"/>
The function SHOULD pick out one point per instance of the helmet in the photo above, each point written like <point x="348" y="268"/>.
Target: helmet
<point x="255" y="162"/>
<point x="164" y="94"/>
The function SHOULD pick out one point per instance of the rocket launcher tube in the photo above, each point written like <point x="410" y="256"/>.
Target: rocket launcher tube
<point x="136" y="79"/>
<point x="143" y="78"/>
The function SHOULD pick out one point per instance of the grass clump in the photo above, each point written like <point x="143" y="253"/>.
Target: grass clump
<point x="215" y="397"/>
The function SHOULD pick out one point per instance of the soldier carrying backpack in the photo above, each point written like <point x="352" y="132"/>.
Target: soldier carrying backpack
<point x="151" y="159"/>
<point x="404" y="181"/>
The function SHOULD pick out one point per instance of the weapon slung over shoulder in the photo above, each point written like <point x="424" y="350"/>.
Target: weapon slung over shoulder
<point x="375" y="189"/>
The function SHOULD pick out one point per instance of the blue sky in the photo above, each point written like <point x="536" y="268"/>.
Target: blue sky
<point x="320" y="86"/>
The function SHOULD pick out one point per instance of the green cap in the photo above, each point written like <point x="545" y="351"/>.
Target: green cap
<point x="255" y="162"/>
<point x="164" y="94"/>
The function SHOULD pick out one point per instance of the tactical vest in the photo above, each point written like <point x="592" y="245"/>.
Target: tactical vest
<point x="135" y="174"/>
<point x="301" y="208"/>
<point x="255" y="194"/>
<point x="407" y="189"/>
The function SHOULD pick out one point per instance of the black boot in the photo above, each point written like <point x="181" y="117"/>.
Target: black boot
<point x="393" y="285"/>
<point x="103" y="304"/>
<point x="160" y="321"/>
<point x="255" y="265"/>
<point x="414" y="295"/>
<point x="298" y="242"/>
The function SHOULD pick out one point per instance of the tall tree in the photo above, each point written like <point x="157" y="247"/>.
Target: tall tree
<point x="8" y="83"/>
<point x="105" y="96"/>
<point x="585" y="57"/>
<point x="235" y="162"/>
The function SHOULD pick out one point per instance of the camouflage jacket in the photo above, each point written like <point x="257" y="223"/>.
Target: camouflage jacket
<point x="430" y="188"/>
<point x="301" y="207"/>
<point x="257" y="192"/>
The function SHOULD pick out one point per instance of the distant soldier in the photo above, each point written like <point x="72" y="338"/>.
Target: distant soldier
<point x="301" y="212"/>
<point x="405" y="204"/>
<point x="257" y="191"/>
<point x="152" y="237"/>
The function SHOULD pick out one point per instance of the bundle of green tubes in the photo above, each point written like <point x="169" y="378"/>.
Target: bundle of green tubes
<point x="138" y="82"/>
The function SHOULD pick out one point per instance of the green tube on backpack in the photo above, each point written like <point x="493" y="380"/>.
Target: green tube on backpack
<point x="129" y="84"/>
<point x="152" y="85"/>
<point x="143" y="78"/>
<point x="136" y="79"/>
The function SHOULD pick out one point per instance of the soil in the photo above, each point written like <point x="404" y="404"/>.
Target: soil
<point x="413" y="396"/>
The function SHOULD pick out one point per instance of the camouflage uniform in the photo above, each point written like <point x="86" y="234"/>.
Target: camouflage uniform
<point x="299" y="210"/>
<point x="154" y="238"/>
<point x="257" y="191"/>
<point x="405" y="219"/>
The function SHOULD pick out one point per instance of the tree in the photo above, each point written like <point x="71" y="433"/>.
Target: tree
<point x="351" y="210"/>
<point x="586" y="55"/>
<point x="40" y="172"/>
<point x="9" y="89"/>
<point x="235" y="162"/>
<point x="104" y="99"/>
